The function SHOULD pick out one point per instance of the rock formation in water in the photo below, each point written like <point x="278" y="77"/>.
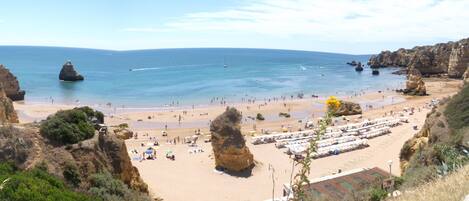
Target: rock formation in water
<point x="229" y="145"/>
<point x="415" y="84"/>
<point x="359" y="67"/>
<point x="10" y="84"/>
<point x="68" y="73"/>
<point x="450" y="58"/>
<point x="353" y="63"/>
<point x="348" y="108"/>
<point x="7" y="111"/>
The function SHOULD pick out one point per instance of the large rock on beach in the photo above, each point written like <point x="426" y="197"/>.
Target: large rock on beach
<point x="415" y="84"/>
<point x="7" y="111"/>
<point x="10" y="84"/>
<point x="444" y="58"/>
<point x="68" y="73"/>
<point x="229" y="145"/>
<point x="348" y="108"/>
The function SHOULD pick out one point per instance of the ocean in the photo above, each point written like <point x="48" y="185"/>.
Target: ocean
<point x="154" y="78"/>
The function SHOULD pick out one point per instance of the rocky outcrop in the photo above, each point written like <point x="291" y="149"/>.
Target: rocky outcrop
<point x="102" y="153"/>
<point x="115" y="151"/>
<point x="451" y="58"/>
<point x="229" y="145"/>
<point x="353" y="63"/>
<point x="348" y="108"/>
<point x="122" y="133"/>
<point x="459" y="59"/>
<point x="10" y="84"/>
<point x="359" y="67"/>
<point x="7" y="111"/>
<point x="466" y="75"/>
<point x="68" y="73"/>
<point x="415" y="84"/>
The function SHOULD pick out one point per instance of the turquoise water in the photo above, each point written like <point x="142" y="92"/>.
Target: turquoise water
<point x="187" y="76"/>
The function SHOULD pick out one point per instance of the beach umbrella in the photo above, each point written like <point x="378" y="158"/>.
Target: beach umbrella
<point x="149" y="151"/>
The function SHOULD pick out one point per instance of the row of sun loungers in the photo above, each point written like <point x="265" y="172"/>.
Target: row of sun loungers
<point x="329" y="150"/>
<point x="336" y="139"/>
<point x="331" y="132"/>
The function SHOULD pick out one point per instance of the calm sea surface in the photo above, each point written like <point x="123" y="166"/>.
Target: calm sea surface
<point x="187" y="76"/>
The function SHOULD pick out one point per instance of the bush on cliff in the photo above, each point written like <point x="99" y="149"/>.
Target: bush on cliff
<point x="34" y="185"/>
<point x="71" y="126"/>
<point x="107" y="188"/>
<point x="457" y="111"/>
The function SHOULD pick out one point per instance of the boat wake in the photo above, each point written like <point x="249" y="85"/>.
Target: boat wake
<point x="144" y="69"/>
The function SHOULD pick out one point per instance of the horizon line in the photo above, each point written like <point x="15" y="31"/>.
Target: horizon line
<point x="149" y="49"/>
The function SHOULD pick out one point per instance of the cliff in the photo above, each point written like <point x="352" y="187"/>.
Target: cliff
<point x="10" y="84"/>
<point x="440" y="146"/>
<point x="7" y="111"/>
<point x="105" y="153"/>
<point x="450" y="58"/>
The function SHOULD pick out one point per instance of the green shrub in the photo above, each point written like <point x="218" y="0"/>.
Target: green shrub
<point x="260" y="117"/>
<point x="106" y="187"/>
<point x="71" y="174"/>
<point x="457" y="110"/>
<point x="377" y="194"/>
<point x="71" y="126"/>
<point x="35" y="185"/>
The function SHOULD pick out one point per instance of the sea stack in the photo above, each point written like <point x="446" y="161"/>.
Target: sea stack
<point x="229" y="145"/>
<point x="7" y="111"/>
<point x="10" y="84"/>
<point x="414" y="84"/>
<point x="375" y="71"/>
<point x="359" y="67"/>
<point x="68" y="73"/>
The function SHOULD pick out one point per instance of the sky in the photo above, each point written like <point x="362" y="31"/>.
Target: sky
<point x="342" y="26"/>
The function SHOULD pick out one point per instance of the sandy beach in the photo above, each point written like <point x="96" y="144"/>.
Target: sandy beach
<point x="192" y="174"/>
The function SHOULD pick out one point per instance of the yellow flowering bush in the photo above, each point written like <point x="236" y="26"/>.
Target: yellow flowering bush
<point x="332" y="103"/>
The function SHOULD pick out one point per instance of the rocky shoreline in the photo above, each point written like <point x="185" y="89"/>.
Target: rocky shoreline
<point x="448" y="59"/>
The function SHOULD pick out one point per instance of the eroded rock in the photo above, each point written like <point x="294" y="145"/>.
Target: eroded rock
<point x="348" y="108"/>
<point x="7" y="111"/>
<point x="68" y="73"/>
<point x="415" y="84"/>
<point x="229" y="145"/>
<point x="443" y="58"/>
<point x="10" y="84"/>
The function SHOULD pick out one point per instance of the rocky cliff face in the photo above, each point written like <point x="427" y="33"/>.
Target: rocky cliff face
<point x="10" y="84"/>
<point x="229" y="145"/>
<point x="459" y="59"/>
<point x="26" y="146"/>
<point x="68" y="73"/>
<point x="348" y="108"/>
<point x="466" y="75"/>
<point x="451" y="58"/>
<point x="7" y="111"/>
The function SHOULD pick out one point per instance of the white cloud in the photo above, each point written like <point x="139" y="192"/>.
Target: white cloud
<point x="345" y="20"/>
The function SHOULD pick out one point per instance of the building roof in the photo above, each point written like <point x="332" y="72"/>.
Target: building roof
<point x="338" y="186"/>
